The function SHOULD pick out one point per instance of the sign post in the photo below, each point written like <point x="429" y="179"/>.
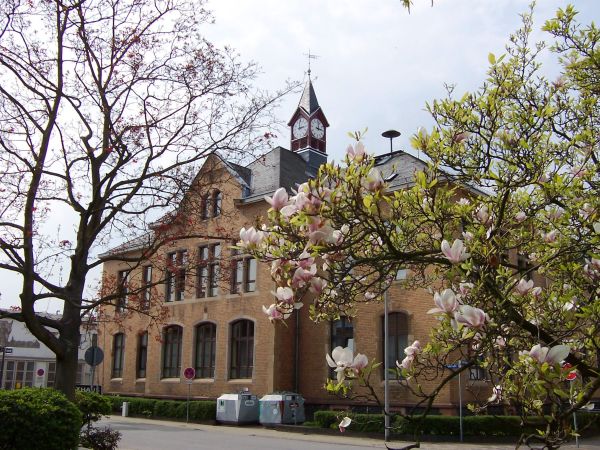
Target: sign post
<point x="4" y="350"/>
<point x="93" y="356"/>
<point x="189" y="374"/>
<point x="572" y="376"/>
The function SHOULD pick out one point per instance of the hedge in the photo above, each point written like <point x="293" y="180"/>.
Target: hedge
<point x="445" y="425"/>
<point x="33" y="418"/>
<point x="166" y="409"/>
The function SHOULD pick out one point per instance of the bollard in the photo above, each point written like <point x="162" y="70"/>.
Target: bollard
<point x="125" y="409"/>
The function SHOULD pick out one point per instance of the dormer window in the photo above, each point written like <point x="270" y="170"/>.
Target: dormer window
<point x="211" y="204"/>
<point x="217" y="200"/>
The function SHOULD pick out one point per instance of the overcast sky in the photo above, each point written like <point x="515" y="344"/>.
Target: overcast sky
<point x="378" y="65"/>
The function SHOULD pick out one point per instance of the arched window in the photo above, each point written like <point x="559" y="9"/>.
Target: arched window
<point x="142" y="355"/>
<point x="206" y="206"/>
<point x="241" y="350"/>
<point x="171" y="354"/>
<point x="117" y="355"/>
<point x="217" y="200"/>
<point x="397" y="337"/>
<point x="204" y="352"/>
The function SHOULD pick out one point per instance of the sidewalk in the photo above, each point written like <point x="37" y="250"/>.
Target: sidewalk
<point x="312" y="435"/>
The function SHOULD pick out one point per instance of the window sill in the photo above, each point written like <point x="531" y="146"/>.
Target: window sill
<point x="116" y="380"/>
<point x="170" y="380"/>
<point x="240" y="380"/>
<point x="140" y="380"/>
<point x="204" y="380"/>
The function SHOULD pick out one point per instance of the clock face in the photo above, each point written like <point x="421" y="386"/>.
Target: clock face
<point x="300" y="128"/>
<point x="317" y="129"/>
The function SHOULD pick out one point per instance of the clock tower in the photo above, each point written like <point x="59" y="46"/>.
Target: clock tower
<point x="308" y="128"/>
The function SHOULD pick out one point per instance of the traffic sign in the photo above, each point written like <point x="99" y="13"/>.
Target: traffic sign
<point x="94" y="356"/>
<point x="6" y="350"/>
<point x="189" y="373"/>
<point x="40" y="372"/>
<point x="572" y="375"/>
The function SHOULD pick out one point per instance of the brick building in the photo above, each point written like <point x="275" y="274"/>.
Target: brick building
<point x="215" y="321"/>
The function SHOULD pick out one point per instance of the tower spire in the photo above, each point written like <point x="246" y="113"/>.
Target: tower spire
<point x="310" y="56"/>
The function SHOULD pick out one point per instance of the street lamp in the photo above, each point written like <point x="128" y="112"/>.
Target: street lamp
<point x="390" y="134"/>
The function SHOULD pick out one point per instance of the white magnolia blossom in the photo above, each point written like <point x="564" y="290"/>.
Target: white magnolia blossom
<point x="470" y="316"/>
<point x="463" y="202"/>
<point x="411" y="352"/>
<point x="279" y="199"/>
<point x="317" y="285"/>
<point x="524" y="286"/>
<point x="373" y="181"/>
<point x="344" y="364"/>
<point x="250" y="238"/>
<point x="586" y="211"/>
<point x="496" y="394"/>
<point x="455" y="254"/>
<point x="356" y="153"/>
<point x="446" y="302"/>
<point x="345" y="423"/>
<point x="552" y="355"/>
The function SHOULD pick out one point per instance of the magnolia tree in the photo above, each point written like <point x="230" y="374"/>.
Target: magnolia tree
<point x="108" y="108"/>
<point x="502" y="226"/>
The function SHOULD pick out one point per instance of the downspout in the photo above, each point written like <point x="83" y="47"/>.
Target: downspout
<point x="297" y="354"/>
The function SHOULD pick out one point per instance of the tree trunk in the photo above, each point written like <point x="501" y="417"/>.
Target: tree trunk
<point x="70" y="337"/>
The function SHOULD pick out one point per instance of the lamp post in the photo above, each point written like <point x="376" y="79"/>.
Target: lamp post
<point x="390" y="134"/>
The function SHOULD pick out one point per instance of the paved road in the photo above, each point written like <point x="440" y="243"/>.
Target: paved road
<point x="143" y="434"/>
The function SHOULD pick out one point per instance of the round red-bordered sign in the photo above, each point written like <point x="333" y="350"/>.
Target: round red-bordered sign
<point x="572" y="374"/>
<point x="40" y="372"/>
<point x="189" y="373"/>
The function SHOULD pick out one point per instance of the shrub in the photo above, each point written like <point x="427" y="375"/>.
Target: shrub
<point x="101" y="439"/>
<point x="32" y="418"/>
<point x="92" y="406"/>
<point x="325" y="419"/>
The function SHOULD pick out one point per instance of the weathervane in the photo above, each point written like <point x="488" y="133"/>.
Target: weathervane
<point x="310" y="56"/>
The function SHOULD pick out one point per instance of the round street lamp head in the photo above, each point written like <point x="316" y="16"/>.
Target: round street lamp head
<point x="391" y="134"/>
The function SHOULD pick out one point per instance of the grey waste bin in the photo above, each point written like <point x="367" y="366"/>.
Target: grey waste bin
<point x="237" y="408"/>
<point x="286" y="408"/>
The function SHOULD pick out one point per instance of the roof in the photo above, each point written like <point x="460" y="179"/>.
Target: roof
<point x="308" y="101"/>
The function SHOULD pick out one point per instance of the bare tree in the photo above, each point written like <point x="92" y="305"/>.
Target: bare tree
<point x="107" y="109"/>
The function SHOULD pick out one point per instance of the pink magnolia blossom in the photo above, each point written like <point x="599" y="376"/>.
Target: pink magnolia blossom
<point x="592" y="268"/>
<point x="520" y="216"/>
<point x="317" y="285"/>
<point x="279" y="199"/>
<point x="555" y="213"/>
<point x="524" y="286"/>
<point x="373" y="181"/>
<point x="550" y="237"/>
<point x="465" y="288"/>
<point x="446" y="302"/>
<point x="360" y="362"/>
<point x="250" y="238"/>
<point x="413" y="349"/>
<point x="536" y="292"/>
<point x="455" y="254"/>
<point x="345" y="423"/>
<point x="406" y="363"/>
<point x="586" y="211"/>
<point x="302" y="276"/>
<point x="544" y="178"/>
<point x="289" y="210"/>
<point x="458" y="138"/>
<point x="356" y="153"/>
<point x="500" y="342"/>
<point x="305" y="260"/>
<point x="483" y="216"/>
<point x="553" y="355"/>
<point x="273" y="313"/>
<point x="284" y="294"/>
<point x="470" y="316"/>
<point x="467" y="236"/>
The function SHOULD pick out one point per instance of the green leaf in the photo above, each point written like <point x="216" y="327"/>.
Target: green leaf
<point x="492" y="58"/>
